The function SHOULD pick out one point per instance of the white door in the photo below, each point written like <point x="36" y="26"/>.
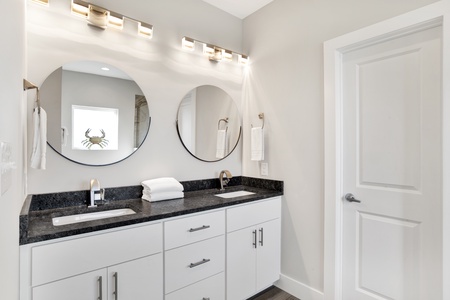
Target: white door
<point x="392" y="240"/>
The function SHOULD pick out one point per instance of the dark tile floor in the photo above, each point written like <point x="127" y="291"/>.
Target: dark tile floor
<point x="274" y="293"/>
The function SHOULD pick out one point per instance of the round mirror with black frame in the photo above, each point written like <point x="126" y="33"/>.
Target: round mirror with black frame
<point x="96" y="114"/>
<point x="208" y="123"/>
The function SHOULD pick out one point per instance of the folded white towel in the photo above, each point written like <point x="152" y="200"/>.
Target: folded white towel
<point x="162" y="196"/>
<point x="257" y="143"/>
<point x="164" y="184"/>
<point x="39" y="150"/>
<point x="221" y="145"/>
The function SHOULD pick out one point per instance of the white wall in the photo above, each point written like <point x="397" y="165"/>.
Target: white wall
<point x="284" y="41"/>
<point x="164" y="72"/>
<point x="12" y="31"/>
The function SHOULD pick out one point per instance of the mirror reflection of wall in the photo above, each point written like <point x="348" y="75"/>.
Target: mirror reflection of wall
<point x="199" y="125"/>
<point x="141" y="117"/>
<point x="69" y="91"/>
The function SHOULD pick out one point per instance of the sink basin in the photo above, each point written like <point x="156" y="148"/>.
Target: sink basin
<point x="58" y="221"/>
<point x="234" y="194"/>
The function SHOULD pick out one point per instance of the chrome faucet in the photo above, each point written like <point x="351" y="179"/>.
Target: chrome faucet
<point x="96" y="192"/>
<point x="224" y="182"/>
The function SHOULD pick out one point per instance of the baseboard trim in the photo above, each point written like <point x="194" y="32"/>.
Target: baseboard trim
<point x="298" y="289"/>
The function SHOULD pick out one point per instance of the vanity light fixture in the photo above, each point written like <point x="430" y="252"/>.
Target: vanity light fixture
<point x="214" y="53"/>
<point x="187" y="44"/>
<point x="115" y="20"/>
<point x="208" y="49"/>
<point x="103" y="18"/>
<point x="243" y="59"/>
<point x="97" y="17"/>
<point x="145" y="30"/>
<point x="42" y="2"/>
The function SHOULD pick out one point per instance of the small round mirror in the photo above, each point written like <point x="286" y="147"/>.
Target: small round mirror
<point x="96" y="114"/>
<point x="208" y="123"/>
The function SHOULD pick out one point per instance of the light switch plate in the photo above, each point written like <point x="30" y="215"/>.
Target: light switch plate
<point x="265" y="169"/>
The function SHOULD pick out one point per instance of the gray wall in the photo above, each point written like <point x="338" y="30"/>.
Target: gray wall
<point x="164" y="72"/>
<point x="285" y="41"/>
<point x="12" y="103"/>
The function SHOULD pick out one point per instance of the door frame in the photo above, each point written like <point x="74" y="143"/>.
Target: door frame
<point x="429" y="16"/>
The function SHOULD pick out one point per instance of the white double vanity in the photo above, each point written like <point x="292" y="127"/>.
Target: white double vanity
<point x="232" y="252"/>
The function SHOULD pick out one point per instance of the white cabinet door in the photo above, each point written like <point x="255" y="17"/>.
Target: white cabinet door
<point x="138" y="279"/>
<point x="268" y="254"/>
<point x="241" y="264"/>
<point x="253" y="259"/>
<point x="87" y="286"/>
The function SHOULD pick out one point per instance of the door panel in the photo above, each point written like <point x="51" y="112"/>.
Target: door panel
<point x="389" y="139"/>
<point x="390" y="245"/>
<point x="392" y="240"/>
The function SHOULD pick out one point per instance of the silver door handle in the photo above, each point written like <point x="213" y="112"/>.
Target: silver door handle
<point x="100" y="285"/>
<point x="261" y="236"/>
<point x="116" y="286"/>
<point x="350" y="198"/>
<point x="254" y="239"/>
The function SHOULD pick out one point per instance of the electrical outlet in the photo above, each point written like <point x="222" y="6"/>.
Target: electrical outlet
<point x="265" y="169"/>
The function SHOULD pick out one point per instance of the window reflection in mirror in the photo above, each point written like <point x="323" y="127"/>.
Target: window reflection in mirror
<point x="94" y="128"/>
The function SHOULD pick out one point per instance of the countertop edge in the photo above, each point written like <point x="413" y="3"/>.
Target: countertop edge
<point x="261" y="194"/>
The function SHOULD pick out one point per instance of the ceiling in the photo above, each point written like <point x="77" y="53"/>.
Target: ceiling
<point x="239" y="8"/>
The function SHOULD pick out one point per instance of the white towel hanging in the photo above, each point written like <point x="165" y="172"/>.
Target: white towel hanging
<point x="39" y="150"/>
<point x="257" y="144"/>
<point x="221" y="145"/>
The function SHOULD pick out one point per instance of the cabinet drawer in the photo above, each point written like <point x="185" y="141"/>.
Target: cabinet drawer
<point x="193" y="229"/>
<point x="252" y="214"/>
<point x="194" y="262"/>
<point x="68" y="258"/>
<point x="69" y="288"/>
<point x="212" y="288"/>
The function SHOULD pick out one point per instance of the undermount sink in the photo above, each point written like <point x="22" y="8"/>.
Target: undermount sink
<point x="234" y="194"/>
<point x="58" y="221"/>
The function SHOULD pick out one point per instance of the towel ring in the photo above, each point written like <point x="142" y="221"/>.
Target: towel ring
<point x="224" y="120"/>
<point x="27" y="86"/>
<point x="261" y="117"/>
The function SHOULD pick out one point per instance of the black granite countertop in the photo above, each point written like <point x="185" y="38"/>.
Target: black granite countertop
<point x="38" y="210"/>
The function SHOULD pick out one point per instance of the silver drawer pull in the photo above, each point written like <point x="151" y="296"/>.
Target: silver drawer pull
<point x="116" y="286"/>
<point x="203" y="261"/>
<point x="204" y="298"/>
<point x="100" y="286"/>
<point x="199" y="228"/>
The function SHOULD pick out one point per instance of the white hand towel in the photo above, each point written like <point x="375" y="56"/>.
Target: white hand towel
<point x="221" y="145"/>
<point x="162" y="196"/>
<point x="164" y="184"/>
<point x="257" y="143"/>
<point x="39" y="150"/>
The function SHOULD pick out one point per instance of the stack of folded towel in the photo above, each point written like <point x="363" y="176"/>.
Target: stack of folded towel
<point x="162" y="189"/>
